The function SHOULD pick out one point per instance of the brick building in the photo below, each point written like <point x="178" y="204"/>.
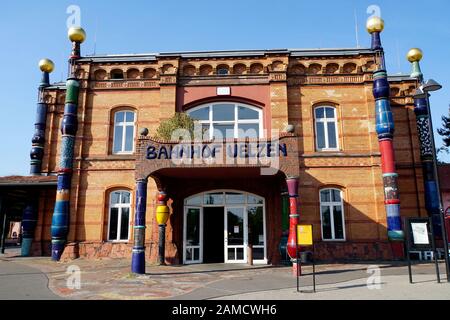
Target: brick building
<point x="286" y="137"/>
<point x="319" y="106"/>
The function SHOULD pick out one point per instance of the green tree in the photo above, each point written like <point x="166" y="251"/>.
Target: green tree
<point x="180" y="120"/>
<point x="445" y="133"/>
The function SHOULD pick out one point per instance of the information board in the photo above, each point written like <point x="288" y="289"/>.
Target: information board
<point x="304" y="235"/>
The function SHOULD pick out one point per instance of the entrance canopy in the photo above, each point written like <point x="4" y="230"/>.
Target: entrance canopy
<point x="260" y="157"/>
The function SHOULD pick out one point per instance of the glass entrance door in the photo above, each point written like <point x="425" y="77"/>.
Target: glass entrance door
<point x="243" y="220"/>
<point x="235" y="235"/>
<point x="193" y="235"/>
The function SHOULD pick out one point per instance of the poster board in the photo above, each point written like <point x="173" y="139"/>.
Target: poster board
<point x="305" y="235"/>
<point x="420" y="237"/>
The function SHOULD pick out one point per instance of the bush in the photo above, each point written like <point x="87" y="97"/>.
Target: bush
<point x="180" y="120"/>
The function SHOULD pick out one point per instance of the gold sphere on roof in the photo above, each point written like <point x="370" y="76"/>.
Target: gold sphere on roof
<point x="375" y="24"/>
<point x="415" y="54"/>
<point x="76" y="34"/>
<point x="46" y="65"/>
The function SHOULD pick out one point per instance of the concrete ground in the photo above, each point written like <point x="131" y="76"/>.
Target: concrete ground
<point x="40" y="278"/>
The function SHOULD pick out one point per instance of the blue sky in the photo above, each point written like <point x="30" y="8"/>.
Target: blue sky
<point x="31" y="30"/>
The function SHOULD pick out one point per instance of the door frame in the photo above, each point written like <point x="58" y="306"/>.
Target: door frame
<point x="245" y="233"/>
<point x="225" y="206"/>
<point x="200" y="244"/>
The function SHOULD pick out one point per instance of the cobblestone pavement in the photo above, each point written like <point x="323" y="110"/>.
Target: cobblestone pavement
<point x="111" y="279"/>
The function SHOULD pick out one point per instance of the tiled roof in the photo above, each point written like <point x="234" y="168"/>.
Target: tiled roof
<point x="225" y="54"/>
<point x="28" y="180"/>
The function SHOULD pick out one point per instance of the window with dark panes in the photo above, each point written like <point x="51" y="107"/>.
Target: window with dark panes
<point x="332" y="214"/>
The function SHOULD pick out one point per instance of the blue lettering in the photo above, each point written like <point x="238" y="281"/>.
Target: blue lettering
<point x="151" y="153"/>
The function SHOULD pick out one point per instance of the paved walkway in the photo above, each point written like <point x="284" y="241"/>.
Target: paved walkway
<point x="21" y="282"/>
<point x="41" y="278"/>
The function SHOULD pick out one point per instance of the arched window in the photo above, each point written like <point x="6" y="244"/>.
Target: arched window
<point x="119" y="215"/>
<point x="332" y="215"/>
<point x="326" y="129"/>
<point x="222" y="70"/>
<point x="124" y="123"/>
<point x="117" y="74"/>
<point x="229" y="120"/>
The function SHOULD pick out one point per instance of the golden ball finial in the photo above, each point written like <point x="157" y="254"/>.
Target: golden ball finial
<point x="76" y="34"/>
<point x="415" y="54"/>
<point x="375" y="24"/>
<point x="46" y="65"/>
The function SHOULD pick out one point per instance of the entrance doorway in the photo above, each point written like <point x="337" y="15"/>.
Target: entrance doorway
<point x="213" y="239"/>
<point x="219" y="225"/>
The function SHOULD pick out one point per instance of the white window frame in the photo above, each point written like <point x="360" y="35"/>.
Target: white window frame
<point x="234" y="122"/>
<point x="331" y="204"/>
<point x="120" y="206"/>
<point x="325" y="122"/>
<point x="200" y="244"/>
<point x="124" y="125"/>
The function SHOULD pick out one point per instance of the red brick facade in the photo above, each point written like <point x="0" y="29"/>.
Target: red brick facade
<point x="286" y="86"/>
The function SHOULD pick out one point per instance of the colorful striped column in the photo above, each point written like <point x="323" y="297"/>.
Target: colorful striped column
<point x="385" y="130"/>
<point x="426" y="149"/>
<point x="38" y="141"/>
<point x="162" y="216"/>
<point x="292" y="185"/>
<point x="29" y="222"/>
<point x="69" y="126"/>
<point x="29" y="218"/>
<point x="138" y="256"/>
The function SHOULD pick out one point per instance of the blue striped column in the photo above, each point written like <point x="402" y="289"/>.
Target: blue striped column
<point x="38" y="140"/>
<point x="69" y="125"/>
<point x="426" y="149"/>
<point x="138" y="256"/>
<point x="29" y="217"/>
<point x="385" y="131"/>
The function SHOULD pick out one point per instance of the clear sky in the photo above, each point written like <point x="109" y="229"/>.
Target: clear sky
<point x="31" y="30"/>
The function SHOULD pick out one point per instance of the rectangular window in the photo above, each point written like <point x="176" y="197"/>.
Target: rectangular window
<point x="193" y="227"/>
<point x="200" y="114"/>
<point x="247" y="114"/>
<point x="129" y="138"/>
<point x="256" y="225"/>
<point x="223" y="130"/>
<point x="248" y="131"/>
<point x="320" y="135"/>
<point x="223" y="112"/>
<point x="213" y="198"/>
<point x="332" y="141"/>
<point x="123" y="137"/>
<point x="326" y="223"/>
<point x="124" y="220"/>
<point x="338" y="227"/>
<point x="118" y="134"/>
<point x="332" y="215"/>
<point x="113" y="223"/>
<point x="235" y="198"/>
<point x="119" y="216"/>
<point x="326" y="129"/>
